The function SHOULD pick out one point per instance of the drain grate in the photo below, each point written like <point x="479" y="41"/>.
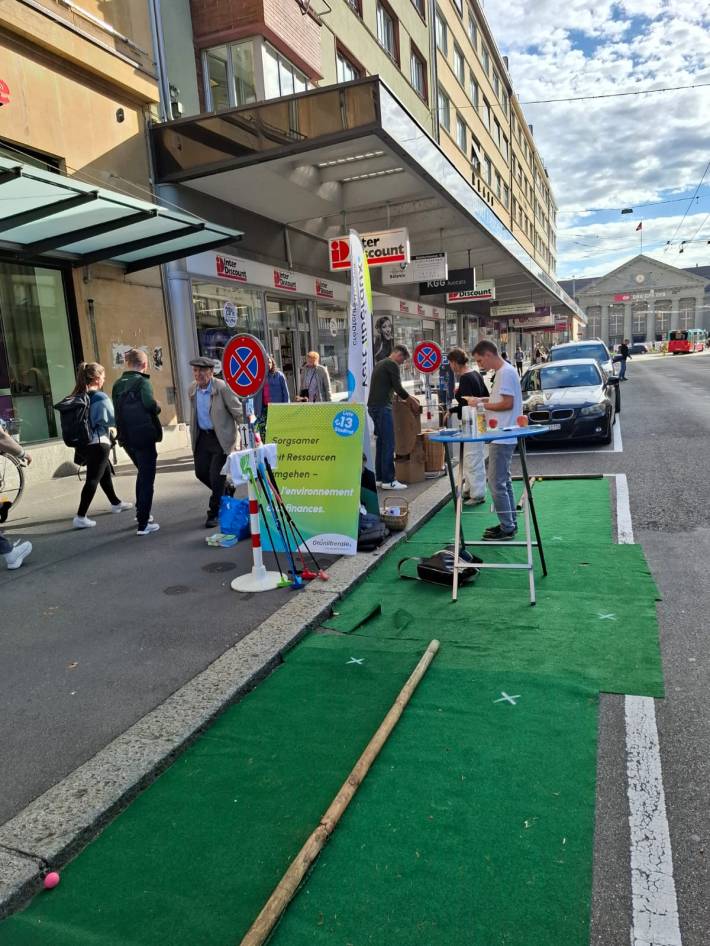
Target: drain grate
<point x="176" y="590"/>
<point x="219" y="567"/>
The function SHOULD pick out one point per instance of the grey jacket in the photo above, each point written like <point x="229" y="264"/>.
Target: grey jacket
<point x="319" y="373"/>
<point x="225" y="412"/>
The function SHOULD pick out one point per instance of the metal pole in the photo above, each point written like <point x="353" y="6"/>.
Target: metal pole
<point x="526" y="481"/>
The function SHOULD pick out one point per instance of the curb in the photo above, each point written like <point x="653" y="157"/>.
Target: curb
<point x="53" y="828"/>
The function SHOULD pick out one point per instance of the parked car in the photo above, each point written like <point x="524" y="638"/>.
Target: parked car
<point x="638" y="348"/>
<point x="575" y="398"/>
<point x="589" y="348"/>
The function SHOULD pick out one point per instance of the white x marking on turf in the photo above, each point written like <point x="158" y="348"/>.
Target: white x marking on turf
<point x="356" y="660"/>
<point x="607" y="617"/>
<point x="510" y="699"/>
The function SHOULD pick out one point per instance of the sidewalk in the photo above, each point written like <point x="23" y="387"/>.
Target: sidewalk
<point x="117" y="650"/>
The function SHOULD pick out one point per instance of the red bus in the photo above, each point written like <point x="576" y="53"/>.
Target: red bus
<point x="687" y="341"/>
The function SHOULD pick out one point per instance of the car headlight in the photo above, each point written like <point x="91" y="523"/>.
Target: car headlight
<point x="593" y="410"/>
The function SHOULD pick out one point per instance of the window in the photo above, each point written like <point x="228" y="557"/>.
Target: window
<point x="459" y="6"/>
<point x="442" y="34"/>
<point x="506" y="195"/>
<point x="472" y="29"/>
<point x="487" y="169"/>
<point x="504" y="146"/>
<point x="461" y="133"/>
<point x="506" y="103"/>
<point x="485" y="114"/>
<point x="499" y="186"/>
<point x="387" y="31"/>
<point x="486" y="59"/>
<point x="355" y="6"/>
<point x="496" y="132"/>
<point x="472" y="89"/>
<point x="496" y="84"/>
<point x="459" y="65"/>
<point x="476" y="154"/>
<point x="418" y="73"/>
<point x="280" y="76"/>
<point x="444" y="106"/>
<point x="229" y="75"/>
<point x="347" y="69"/>
<point x="419" y="6"/>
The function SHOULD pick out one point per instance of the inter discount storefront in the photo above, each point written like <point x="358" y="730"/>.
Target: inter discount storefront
<point x="291" y="313"/>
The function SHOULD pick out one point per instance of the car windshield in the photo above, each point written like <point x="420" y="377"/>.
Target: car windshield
<point x="579" y="351"/>
<point x="569" y="376"/>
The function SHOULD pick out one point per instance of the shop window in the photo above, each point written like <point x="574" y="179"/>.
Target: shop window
<point x="229" y="75"/>
<point x="332" y="345"/>
<point x="36" y="358"/>
<point x="388" y="30"/>
<point x="418" y="73"/>
<point x="223" y="311"/>
<point x="347" y="68"/>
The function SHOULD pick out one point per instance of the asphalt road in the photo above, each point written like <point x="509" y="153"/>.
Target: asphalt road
<point x="665" y="433"/>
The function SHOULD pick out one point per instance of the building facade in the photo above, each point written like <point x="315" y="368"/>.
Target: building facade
<point x="643" y="300"/>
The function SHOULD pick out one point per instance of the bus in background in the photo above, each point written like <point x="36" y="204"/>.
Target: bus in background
<point x="682" y="342"/>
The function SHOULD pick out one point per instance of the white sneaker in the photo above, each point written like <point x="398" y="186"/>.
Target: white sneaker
<point x="151" y="527"/>
<point x="16" y="557"/>
<point x="395" y="484"/>
<point x="119" y="507"/>
<point x="83" y="522"/>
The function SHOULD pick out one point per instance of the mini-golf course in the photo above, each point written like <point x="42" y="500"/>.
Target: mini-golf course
<point x="474" y="826"/>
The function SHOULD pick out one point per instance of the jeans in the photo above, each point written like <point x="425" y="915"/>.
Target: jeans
<point x="98" y="471"/>
<point x="383" y="420"/>
<point x="144" y="459"/>
<point x="5" y="546"/>
<point x="622" y="369"/>
<point x="500" y="456"/>
<point x="209" y="462"/>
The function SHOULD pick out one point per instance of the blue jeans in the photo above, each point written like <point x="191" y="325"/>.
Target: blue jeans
<point x="383" y="420"/>
<point x="622" y="369"/>
<point x="144" y="459"/>
<point x="500" y="456"/>
<point x="5" y="546"/>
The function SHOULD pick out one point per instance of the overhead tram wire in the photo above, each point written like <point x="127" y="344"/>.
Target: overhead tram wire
<point x="687" y="209"/>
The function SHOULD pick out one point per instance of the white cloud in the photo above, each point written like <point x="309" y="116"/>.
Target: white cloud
<point x="622" y="151"/>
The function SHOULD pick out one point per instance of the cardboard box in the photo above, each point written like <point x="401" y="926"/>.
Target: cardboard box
<point x="411" y="467"/>
<point x="407" y="426"/>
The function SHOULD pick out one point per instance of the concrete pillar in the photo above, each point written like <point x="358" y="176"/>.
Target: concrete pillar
<point x="627" y="320"/>
<point x="605" y="322"/>
<point x="675" y="313"/>
<point x="651" y="321"/>
<point x="182" y="330"/>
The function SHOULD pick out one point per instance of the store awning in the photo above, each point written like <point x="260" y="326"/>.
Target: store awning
<point x="351" y="156"/>
<point x="44" y="215"/>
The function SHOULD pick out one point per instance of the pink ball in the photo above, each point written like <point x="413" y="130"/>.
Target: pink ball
<point x="51" y="880"/>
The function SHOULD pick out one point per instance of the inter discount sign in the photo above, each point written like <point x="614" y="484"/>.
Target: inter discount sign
<point x="384" y="248"/>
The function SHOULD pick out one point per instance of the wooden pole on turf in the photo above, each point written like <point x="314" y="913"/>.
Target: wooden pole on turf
<point x="289" y="883"/>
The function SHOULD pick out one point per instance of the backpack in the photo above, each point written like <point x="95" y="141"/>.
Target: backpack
<point x="74" y="418"/>
<point x="136" y="426"/>
<point x="439" y="567"/>
<point x="371" y="532"/>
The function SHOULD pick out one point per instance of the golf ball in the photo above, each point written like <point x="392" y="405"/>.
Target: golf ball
<point x="51" y="880"/>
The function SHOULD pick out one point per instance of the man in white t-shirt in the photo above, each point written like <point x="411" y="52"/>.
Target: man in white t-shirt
<point x="505" y="404"/>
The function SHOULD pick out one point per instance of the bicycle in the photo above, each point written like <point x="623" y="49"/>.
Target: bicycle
<point x="12" y="483"/>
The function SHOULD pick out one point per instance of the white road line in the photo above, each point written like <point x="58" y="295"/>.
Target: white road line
<point x="618" y="446"/>
<point x="655" y="906"/>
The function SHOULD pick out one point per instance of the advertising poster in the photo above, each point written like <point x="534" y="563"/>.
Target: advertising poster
<point x="320" y="457"/>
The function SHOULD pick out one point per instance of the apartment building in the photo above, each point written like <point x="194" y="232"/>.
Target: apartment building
<point x="80" y="236"/>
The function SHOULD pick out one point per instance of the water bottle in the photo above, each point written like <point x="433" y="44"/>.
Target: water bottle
<point x="481" y="425"/>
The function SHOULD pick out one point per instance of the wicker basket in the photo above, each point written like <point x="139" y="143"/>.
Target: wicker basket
<point x="395" y="514"/>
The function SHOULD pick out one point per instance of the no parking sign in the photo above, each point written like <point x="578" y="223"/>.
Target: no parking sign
<point x="427" y="357"/>
<point x="244" y="365"/>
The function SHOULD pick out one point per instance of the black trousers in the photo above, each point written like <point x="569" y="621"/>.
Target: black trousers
<point x="145" y="460"/>
<point x="209" y="461"/>
<point x="98" y="473"/>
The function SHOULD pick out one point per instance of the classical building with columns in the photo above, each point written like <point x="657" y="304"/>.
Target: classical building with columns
<point x="642" y="300"/>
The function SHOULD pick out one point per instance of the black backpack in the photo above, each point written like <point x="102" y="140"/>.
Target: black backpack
<point x="136" y="426"/>
<point x="74" y="418"/>
<point x="371" y="532"/>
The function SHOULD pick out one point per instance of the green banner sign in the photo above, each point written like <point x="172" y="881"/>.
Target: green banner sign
<point x="320" y="456"/>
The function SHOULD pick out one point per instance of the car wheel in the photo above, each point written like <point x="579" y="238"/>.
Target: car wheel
<point x="617" y="406"/>
<point x="608" y="436"/>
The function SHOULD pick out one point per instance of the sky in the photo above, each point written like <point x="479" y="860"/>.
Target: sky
<point x="623" y="152"/>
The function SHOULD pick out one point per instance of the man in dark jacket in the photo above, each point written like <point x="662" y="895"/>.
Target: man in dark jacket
<point x="139" y="430"/>
<point x="624" y="352"/>
<point x="385" y="382"/>
<point x="470" y="384"/>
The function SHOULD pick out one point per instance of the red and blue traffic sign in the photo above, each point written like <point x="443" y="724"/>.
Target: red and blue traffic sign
<point x="244" y="365"/>
<point x="427" y="357"/>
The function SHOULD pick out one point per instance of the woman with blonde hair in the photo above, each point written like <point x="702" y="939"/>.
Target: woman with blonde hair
<point x="315" y="380"/>
<point x="90" y="380"/>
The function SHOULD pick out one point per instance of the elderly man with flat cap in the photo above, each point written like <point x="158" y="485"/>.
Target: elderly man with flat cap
<point x="214" y="414"/>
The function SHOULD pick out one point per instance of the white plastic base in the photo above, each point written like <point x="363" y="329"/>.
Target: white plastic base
<point x="257" y="580"/>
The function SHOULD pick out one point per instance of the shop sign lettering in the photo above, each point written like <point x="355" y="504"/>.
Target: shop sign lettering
<point x="283" y="279"/>
<point x="230" y="268"/>
<point x="381" y="249"/>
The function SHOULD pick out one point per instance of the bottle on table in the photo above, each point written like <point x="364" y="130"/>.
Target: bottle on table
<point x="481" y="424"/>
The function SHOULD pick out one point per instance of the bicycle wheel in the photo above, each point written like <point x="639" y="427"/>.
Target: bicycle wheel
<point x="12" y="483"/>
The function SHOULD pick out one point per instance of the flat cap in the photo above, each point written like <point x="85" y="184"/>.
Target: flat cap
<point x="202" y="362"/>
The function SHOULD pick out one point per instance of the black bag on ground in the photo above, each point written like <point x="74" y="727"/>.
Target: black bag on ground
<point x="136" y="425"/>
<point x="371" y="532"/>
<point x="439" y="567"/>
<point x="74" y="419"/>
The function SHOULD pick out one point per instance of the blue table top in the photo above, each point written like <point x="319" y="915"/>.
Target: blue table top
<point x="503" y="433"/>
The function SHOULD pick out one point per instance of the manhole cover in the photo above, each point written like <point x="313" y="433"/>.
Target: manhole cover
<point x="176" y="590"/>
<point x="219" y="567"/>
